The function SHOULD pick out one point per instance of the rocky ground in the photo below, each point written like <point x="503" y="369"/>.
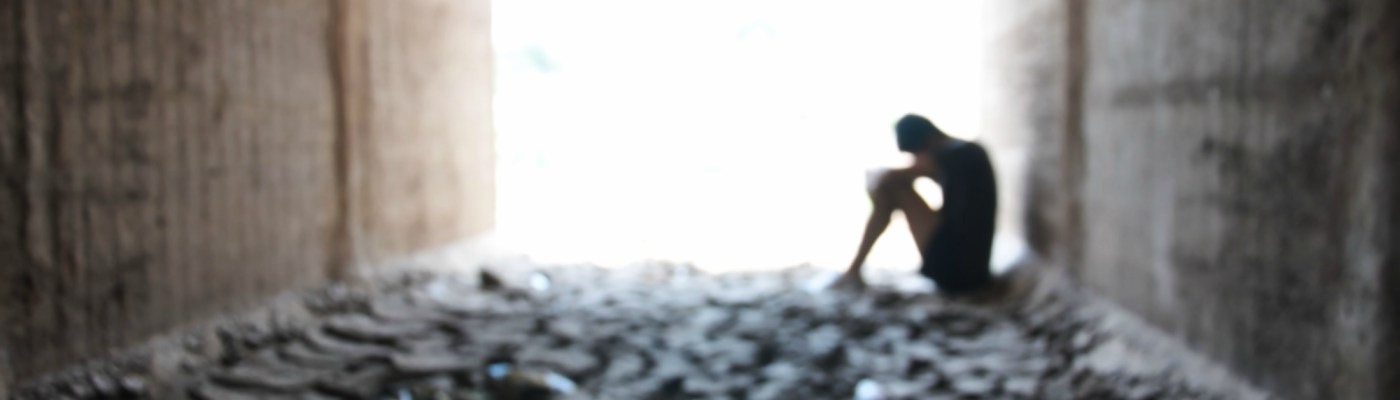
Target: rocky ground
<point x="652" y="332"/>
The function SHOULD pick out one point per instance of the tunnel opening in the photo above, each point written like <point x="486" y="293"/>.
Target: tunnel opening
<point x="733" y="135"/>
<point x="265" y="199"/>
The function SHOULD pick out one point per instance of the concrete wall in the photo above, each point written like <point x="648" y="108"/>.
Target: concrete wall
<point x="1227" y="169"/>
<point x="428" y="170"/>
<point x="1024" y="87"/>
<point x="164" y="161"/>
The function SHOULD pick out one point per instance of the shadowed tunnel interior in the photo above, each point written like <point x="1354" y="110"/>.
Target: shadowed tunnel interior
<point x="636" y="199"/>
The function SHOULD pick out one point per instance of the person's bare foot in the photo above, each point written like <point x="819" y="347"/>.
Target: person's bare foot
<point x="850" y="282"/>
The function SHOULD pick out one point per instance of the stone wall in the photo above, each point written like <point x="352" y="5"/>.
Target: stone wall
<point x="1226" y="169"/>
<point x="164" y="161"/>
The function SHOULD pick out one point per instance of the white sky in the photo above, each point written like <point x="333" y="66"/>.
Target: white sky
<point x="733" y="134"/>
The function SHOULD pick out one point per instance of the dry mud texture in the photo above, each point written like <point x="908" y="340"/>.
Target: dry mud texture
<point x="656" y="331"/>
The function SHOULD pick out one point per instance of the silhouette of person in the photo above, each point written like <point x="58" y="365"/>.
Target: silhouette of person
<point x="956" y="240"/>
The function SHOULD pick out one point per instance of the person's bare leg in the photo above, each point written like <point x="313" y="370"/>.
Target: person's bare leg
<point x="890" y="190"/>
<point x="922" y="219"/>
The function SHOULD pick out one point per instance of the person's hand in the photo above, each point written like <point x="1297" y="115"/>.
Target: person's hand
<point x="850" y="282"/>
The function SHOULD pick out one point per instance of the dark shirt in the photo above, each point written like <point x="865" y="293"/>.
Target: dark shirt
<point x="959" y="255"/>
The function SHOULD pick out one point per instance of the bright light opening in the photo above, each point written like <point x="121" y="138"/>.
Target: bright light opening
<point x="732" y="134"/>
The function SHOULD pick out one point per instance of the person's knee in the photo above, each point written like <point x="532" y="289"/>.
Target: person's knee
<point x="873" y="179"/>
<point x="889" y="180"/>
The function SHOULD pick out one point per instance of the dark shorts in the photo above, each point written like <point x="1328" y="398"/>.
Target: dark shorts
<point x="958" y="263"/>
<point x="959" y="253"/>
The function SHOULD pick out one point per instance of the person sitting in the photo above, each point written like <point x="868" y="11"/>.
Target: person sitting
<point x="955" y="241"/>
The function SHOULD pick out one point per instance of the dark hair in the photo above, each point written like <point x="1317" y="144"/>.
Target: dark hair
<point x="914" y="132"/>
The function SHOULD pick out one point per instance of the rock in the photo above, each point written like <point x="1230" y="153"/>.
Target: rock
<point x="429" y="364"/>
<point x="885" y="363"/>
<point x="133" y="386"/>
<point x="398" y="310"/>
<point x="465" y="305"/>
<point x="193" y="343"/>
<point x="671" y="387"/>
<point x="782" y="371"/>
<point x="920" y="351"/>
<point x="961" y="325"/>
<point x="891" y="334"/>
<point x="508" y="382"/>
<point x="362" y="383"/>
<point x="861" y="327"/>
<point x="1058" y="389"/>
<point x="889" y="299"/>
<point x="711" y="320"/>
<point x="333" y="346"/>
<point x="956" y="366"/>
<point x="1021" y="386"/>
<point x="574" y="362"/>
<point x="433" y="387"/>
<point x="972" y="385"/>
<point x="211" y="391"/>
<point x="916" y="388"/>
<point x="869" y="389"/>
<point x="79" y="389"/>
<point x="365" y="329"/>
<point x="736" y="297"/>
<point x="278" y="380"/>
<point x="1143" y="391"/>
<point x="726" y="353"/>
<point x="773" y="390"/>
<point x="489" y="280"/>
<point x="824" y="339"/>
<point x="670" y="365"/>
<point x="1035" y="366"/>
<point x="993" y="362"/>
<point x="476" y="305"/>
<point x="753" y="324"/>
<point x="301" y="354"/>
<point x="337" y="298"/>
<point x="1082" y="341"/>
<point x="104" y="385"/>
<point x="704" y="387"/>
<point x="500" y="331"/>
<point x="540" y="282"/>
<point x="567" y="329"/>
<point x="436" y="342"/>
<point x="625" y="368"/>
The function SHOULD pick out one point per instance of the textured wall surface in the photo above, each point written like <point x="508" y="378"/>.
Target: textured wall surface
<point x="1227" y="169"/>
<point x="1024" y="91"/>
<point x="428" y="169"/>
<point x="164" y="161"/>
<point x="10" y="187"/>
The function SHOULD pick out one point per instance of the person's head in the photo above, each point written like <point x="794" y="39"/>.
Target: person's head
<point x="914" y="134"/>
